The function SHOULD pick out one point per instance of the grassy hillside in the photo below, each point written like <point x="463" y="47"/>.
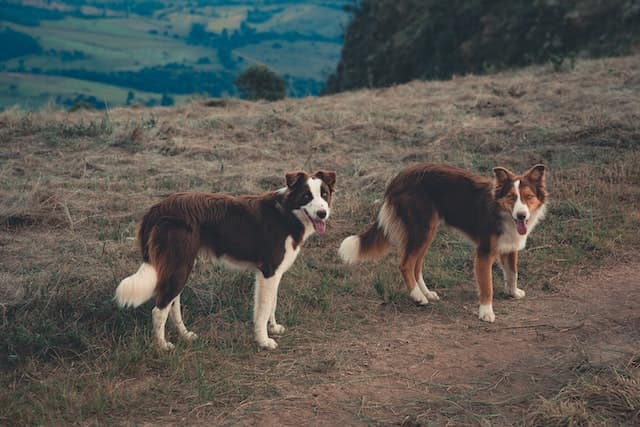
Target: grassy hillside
<point x="75" y="185"/>
<point x="95" y="40"/>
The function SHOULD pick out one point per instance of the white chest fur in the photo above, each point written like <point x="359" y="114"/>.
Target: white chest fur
<point x="510" y="240"/>
<point x="290" y="255"/>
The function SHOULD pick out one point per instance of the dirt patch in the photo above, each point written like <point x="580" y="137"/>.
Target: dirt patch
<point x="432" y="366"/>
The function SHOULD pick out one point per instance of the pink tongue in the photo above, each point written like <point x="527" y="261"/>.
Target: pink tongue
<point x="320" y="226"/>
<point x="522" y="227"/>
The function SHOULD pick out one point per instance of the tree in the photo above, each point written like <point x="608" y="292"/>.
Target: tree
<point x="259" y="82"/>
<point x="166" y="100"/>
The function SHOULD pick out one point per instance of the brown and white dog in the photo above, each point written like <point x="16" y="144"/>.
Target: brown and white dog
<point x="263" y="233"/>
<point x="497" y="215"/>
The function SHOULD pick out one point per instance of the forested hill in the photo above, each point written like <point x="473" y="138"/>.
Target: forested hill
<point x="394" y="41"/>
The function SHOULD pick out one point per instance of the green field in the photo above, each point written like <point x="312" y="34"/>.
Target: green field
<point x="30" y="90"/>
<point x="127" y="42"/>
<point x="306" y="18"/>
<point x="110" y="44"/>
<point x="293" y="58"/>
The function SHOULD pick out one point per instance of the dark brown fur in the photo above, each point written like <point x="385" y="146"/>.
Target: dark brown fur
<point x="423" y="195"/>
<point x="248" y="229"/>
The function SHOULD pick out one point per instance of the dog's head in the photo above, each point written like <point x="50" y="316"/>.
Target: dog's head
<point x="521" y="196"/>
<point x="309" y="196"/>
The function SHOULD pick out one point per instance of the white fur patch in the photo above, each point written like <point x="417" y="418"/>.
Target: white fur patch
<point x="518" y="293"/>
<point x="486" y="314"/>
<point x="265" y="293"/>
<point x="176" y="317"/>
<point x="519" y="207"/>
<point x="391" y="225"/>
<point x="431" y="296"/>
<point x="266" y="299"/>
<point x="317" y="202"/>
<point x="290" y="255"/>
<point x="349" y="249"/>
<point x="226" y="260"/>
<point x="159" y="316"/>
<point x="417" y="295"/>
<point x="510" y="240"/>
<point x="137" y="288"/>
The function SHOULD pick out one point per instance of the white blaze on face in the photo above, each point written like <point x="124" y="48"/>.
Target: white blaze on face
<point x="317" y="205"/>
<point x="520" y="211"/>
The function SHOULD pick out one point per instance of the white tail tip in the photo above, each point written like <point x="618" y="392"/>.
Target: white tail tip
<point x="350" y="249"/>
<point x="137" y="288"/>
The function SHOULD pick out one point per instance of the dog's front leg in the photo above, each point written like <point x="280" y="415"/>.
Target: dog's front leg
<point x="265" y="291"/>
<point x="483" y="263"/>
<point x="273" y="326"/>
<point x="509" y="263"/>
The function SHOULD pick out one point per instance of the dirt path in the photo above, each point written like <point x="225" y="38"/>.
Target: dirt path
<point x="441" y="365"/>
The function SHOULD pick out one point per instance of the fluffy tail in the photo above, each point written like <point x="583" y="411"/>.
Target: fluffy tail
<point x="137" y="288"/>
<point x="374" y="242"/>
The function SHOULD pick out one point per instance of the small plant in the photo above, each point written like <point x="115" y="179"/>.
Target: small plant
<point x="562" y="63"/>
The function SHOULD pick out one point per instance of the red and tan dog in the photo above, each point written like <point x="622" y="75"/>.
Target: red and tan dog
<point x="497" y="215"/>
<point x="263" y="233"/>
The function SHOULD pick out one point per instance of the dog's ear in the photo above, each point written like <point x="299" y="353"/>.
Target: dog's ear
<point x="502" y="175"/>
<point x="329" y="178"/>
<point x="536" y="174"/>
<point x="293" y="177"/>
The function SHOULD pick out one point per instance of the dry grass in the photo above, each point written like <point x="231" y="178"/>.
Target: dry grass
<point x="74" y="185"/>
<point x="604" y="396"/>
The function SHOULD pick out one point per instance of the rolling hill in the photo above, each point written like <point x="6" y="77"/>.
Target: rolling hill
<point x="152" y="48"/>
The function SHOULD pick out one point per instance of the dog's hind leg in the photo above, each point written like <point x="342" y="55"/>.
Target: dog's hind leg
<point x="174" y="249"/>
<point x="168" y="302"/>
<point x="407" y="269"/>
<point x="431" y="233"/>
<point x="159" y="316"/>
<point x="176" y="318"/>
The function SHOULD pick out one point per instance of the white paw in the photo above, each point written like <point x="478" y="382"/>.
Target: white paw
<point x="518" y="293"/>
<point x="268" y="344"/>
<point x="190" y="336"/>
<point x="276" y="329"/>
<point x="485" y="313"/>
<point x="433" y="296"/>
<point x="166" y="346"/>
<point x="418" y="297"/>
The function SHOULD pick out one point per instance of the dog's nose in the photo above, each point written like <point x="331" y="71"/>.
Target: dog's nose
<point x="322" y="214"/>
<point x="521" y="216"/>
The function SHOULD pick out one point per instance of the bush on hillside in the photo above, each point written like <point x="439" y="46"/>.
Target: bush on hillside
<point x="259" y="82"/>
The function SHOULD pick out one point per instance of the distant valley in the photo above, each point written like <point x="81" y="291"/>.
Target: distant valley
<point x="99" y="53"/>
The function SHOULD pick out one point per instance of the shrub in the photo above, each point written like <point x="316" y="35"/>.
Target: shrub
<point x="259" y="82"/>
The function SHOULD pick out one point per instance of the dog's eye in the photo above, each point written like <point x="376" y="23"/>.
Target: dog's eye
<point x="513" y="197"/>
<point x="323" y="194"/>
<point x="528" y="197"/>
<point x="306" y="197"/>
